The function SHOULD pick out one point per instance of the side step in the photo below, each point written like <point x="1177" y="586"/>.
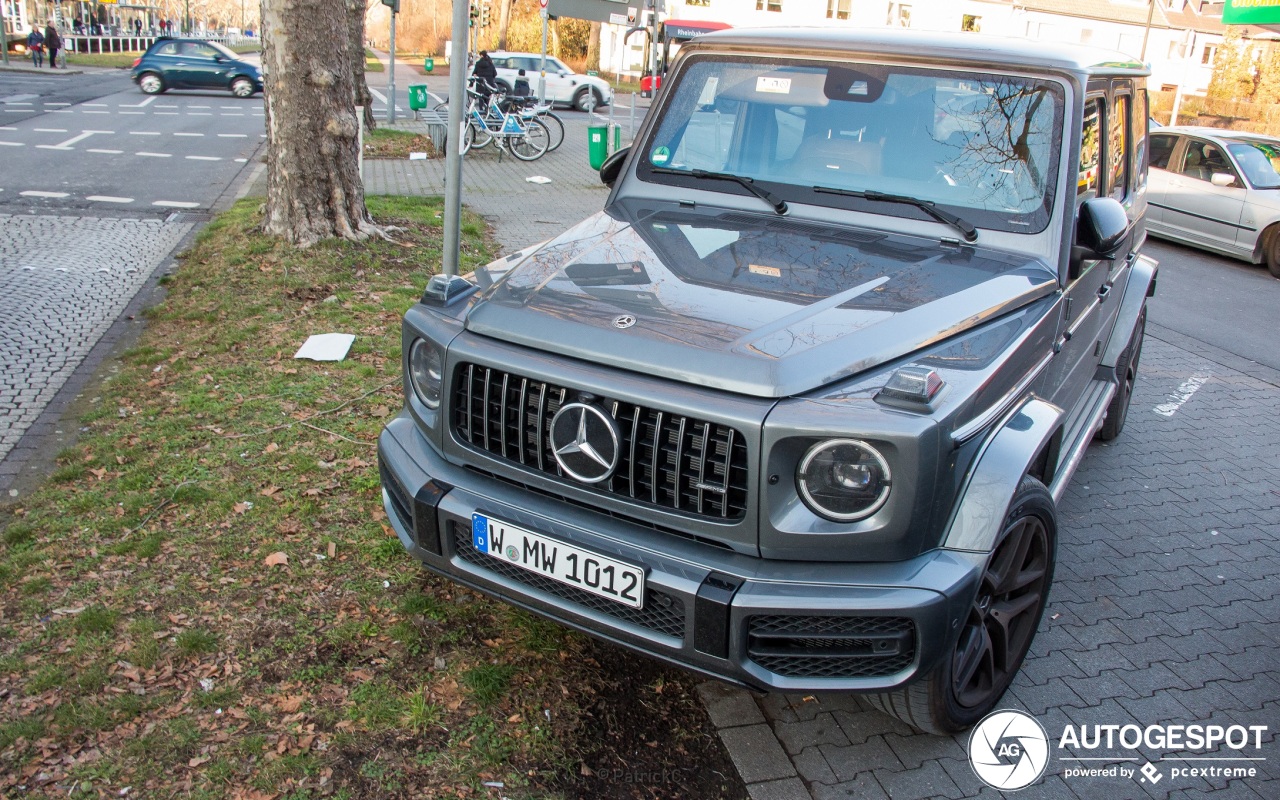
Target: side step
<point x="1091" y="410"/>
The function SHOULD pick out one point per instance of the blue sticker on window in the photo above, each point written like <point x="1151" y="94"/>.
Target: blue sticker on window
<point x="661" y="155"/>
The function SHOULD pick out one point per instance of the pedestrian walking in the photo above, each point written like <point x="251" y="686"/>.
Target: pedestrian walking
<point x="35" y="44"/>
<point x="53" y="42"/>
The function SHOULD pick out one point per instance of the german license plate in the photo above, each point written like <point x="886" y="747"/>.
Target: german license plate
<point x="562" y="562"/>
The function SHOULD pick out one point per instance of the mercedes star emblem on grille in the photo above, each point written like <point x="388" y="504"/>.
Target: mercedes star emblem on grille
<point x="624" y="321"/>
<point x="585" y="442"/>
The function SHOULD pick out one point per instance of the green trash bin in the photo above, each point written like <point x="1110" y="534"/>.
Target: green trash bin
<point x="428" y="63"/>
<point x="598" y="144"/>
<point x="417" y="97"/>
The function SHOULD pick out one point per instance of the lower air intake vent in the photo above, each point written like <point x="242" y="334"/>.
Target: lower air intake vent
<point x="831" y="647"/>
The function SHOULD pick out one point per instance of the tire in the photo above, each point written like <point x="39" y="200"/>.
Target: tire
<point x="242" y="87"/>
<point x="587" y="100"/>
<point x="939" y="703"/>
<point x="480" y="137"/>
<point x="151" y="83"/>
<point x="468" y="139"/>
<point x="1271" y="255"/>
<point x="1127" y="376"/>
<point x="533" y="144"/>
<point x="555" y="126"/>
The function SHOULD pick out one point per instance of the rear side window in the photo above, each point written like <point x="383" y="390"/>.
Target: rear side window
<point x="1117" y="149"/>
<point x="1090" y="151"/>
<point x="1162" y="145"/>
<point x="166" y="49"/>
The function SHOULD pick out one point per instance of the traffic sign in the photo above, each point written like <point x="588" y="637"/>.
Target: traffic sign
<point x="542" y="3"/>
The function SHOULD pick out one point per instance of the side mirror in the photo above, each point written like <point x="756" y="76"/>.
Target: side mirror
<point x="1101" y="228"/>
<point x="612" y="167"/>
<point x="1223" y="179"/>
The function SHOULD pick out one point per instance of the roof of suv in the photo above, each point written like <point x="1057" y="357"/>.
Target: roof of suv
<point x="1218" y="133"/>
<point x="978" y="49"/>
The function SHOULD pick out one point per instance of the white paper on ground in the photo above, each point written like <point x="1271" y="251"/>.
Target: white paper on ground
<point x="538" y="179"/>
<point x="417" y="156"/>
<point x="326" y="347"/>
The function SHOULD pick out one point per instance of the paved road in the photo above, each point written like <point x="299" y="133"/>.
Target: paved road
<point x="99" y="184"/>
<point x="1217" y="300"/>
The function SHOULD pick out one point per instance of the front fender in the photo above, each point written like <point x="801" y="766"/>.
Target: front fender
<point x="1007" y="456"/>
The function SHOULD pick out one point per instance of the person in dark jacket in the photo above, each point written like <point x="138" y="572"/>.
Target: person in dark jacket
<point x="53" y="42"/>
<point x="486" y="75"/>
<point x="35" y="45"/>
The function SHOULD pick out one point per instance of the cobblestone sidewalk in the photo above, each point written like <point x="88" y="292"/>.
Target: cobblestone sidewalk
<point x="63" y="282"/>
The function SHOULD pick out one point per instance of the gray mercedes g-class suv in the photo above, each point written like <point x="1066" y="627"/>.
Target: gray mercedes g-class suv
<point x="794" y="410"/>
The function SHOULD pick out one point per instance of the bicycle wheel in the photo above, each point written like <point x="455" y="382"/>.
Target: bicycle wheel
<point x="468" y="139"/>
<point x="555" y="126"/>
<point x="532" y="144"/>
<point x="480" y="137"/>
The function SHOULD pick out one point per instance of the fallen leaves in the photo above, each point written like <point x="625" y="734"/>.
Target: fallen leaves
<point x="276" y="559"/>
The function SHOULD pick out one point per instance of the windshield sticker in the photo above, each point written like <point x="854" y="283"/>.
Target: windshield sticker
<point x="661" y="155"/>
<point x="773" y="85"/>
<point x="772" y="272"/>
<point x="858" y="88"/>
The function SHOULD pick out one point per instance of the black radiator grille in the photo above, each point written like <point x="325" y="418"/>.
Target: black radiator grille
<point x="662" y="613"/>
<point x="667" y="460"/>
<point x="831" y="647"/>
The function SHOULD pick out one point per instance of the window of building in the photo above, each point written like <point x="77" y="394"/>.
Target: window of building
<point x="899" y="15"/>
<point x="768" y="5"/>
<point x="1086" y="35"/>
<point x="838" y="9"/>
<point x="1210" y="50"/>
<point x="1177" y="50"/>
<point x="971" y="23"/>
<point x="697" y="2"/>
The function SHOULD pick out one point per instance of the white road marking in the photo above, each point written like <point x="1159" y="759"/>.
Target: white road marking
<point x="155" y="155"/>
<point x="52" y="147"/>
<point x="108" y="152"/>
<point x="95" y="112"/>
<point x="1183" y="393"/>
<point x="144" y="133"/>
<point x="203" y="158"/>
<point x="175" y="204"/>
<point x="166" y="113"/>
<point x="139" y="113"/>
<point x="197" y="106"/>
<point x="44" y="194"/>
<point x="188" y="134"/>
<point x="242" y="160"/>
<point x="95" y="105"/>
<point x="231" y="108"/>
<point x="59" y="111"/>
<point x="67" y="144"/>
<point x="12" y="144"/>
<point x="220" y="136"/>
<point x="200" y="114"/>
<point x="102" y="198"/>
<point x="18" y="99"/>
<point x="49" y="130"/>
<point x="143" y="104"/>
<point x="7" y="128"/>
<point x="57" y="104"/>
<point x="166" y="105"/>
<point x="233" y="115"/>
<point x="17" y="103"/>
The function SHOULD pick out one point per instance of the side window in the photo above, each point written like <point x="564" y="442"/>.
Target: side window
<point x="167" y="49"/>
<point x="1118" y="149"/>
<point x="1090" y="152"/>
<point x="1162" y="145"/>
<point x="501" y="63"/>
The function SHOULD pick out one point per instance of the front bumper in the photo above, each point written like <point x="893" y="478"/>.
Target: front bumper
<point x="767" y="624"/>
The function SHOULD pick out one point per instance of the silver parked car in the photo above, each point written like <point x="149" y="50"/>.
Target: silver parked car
<point x="796" y="408"/>
<point x="1218" y="190"/>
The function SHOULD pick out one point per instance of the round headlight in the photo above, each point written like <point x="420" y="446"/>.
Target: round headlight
<point x="843" y="479"/>
<point x="425" y="368"/>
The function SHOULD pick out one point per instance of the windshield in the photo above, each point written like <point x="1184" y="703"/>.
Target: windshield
<point x="985" y="146"/>
<point x="1259" y="161"/>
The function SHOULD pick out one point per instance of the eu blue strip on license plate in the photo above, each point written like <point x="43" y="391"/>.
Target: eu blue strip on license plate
<point x="582" y="569"/>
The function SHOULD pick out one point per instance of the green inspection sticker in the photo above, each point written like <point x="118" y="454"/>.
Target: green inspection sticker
<point x="661" y="155"/>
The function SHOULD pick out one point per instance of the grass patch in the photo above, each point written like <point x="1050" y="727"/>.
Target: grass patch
<point x="192" y="472"/>
<point x="391" y="143"/>
<point x="371" y="62"/>
<point x="116" y="60"/>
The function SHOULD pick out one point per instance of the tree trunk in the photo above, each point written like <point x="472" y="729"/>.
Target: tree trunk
<point x="593" y="48"/>
<point x="313" y="182"/>
<point x="504" y="22"/>
<point x="355" y="40"/>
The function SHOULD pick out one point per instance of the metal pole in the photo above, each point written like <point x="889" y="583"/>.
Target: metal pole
<point x="542" y="68"/>
<point x="631" y="125"/>
<point x="453" y="141"/>
<point x="391" y="80"/>
<point x="653" y="51"/>
<point x="1146" y="33"/>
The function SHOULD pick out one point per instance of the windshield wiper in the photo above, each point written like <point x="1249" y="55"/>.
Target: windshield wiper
<point x="928" y="207"/>
<point x="779" y="205"/>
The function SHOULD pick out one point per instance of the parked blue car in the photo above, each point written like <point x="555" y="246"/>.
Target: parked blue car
<point x="194" y="64"/>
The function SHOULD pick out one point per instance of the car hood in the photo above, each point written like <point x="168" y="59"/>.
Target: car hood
<point x="761" y="306"/>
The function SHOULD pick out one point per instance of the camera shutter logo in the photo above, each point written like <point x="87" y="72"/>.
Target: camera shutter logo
<point x="1009" y="750"/>
<point x="585" y="442"/>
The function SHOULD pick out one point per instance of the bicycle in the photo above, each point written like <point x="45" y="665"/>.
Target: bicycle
<point x="525" y="136"/>
<point x="507" y="104"/>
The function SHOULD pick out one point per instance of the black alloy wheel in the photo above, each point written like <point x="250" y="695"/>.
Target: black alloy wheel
<point x="1004" y="614"/>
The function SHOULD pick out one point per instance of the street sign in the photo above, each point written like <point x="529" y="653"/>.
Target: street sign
<point x="542" y="3"/>
<point x="1257" y="12"/>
